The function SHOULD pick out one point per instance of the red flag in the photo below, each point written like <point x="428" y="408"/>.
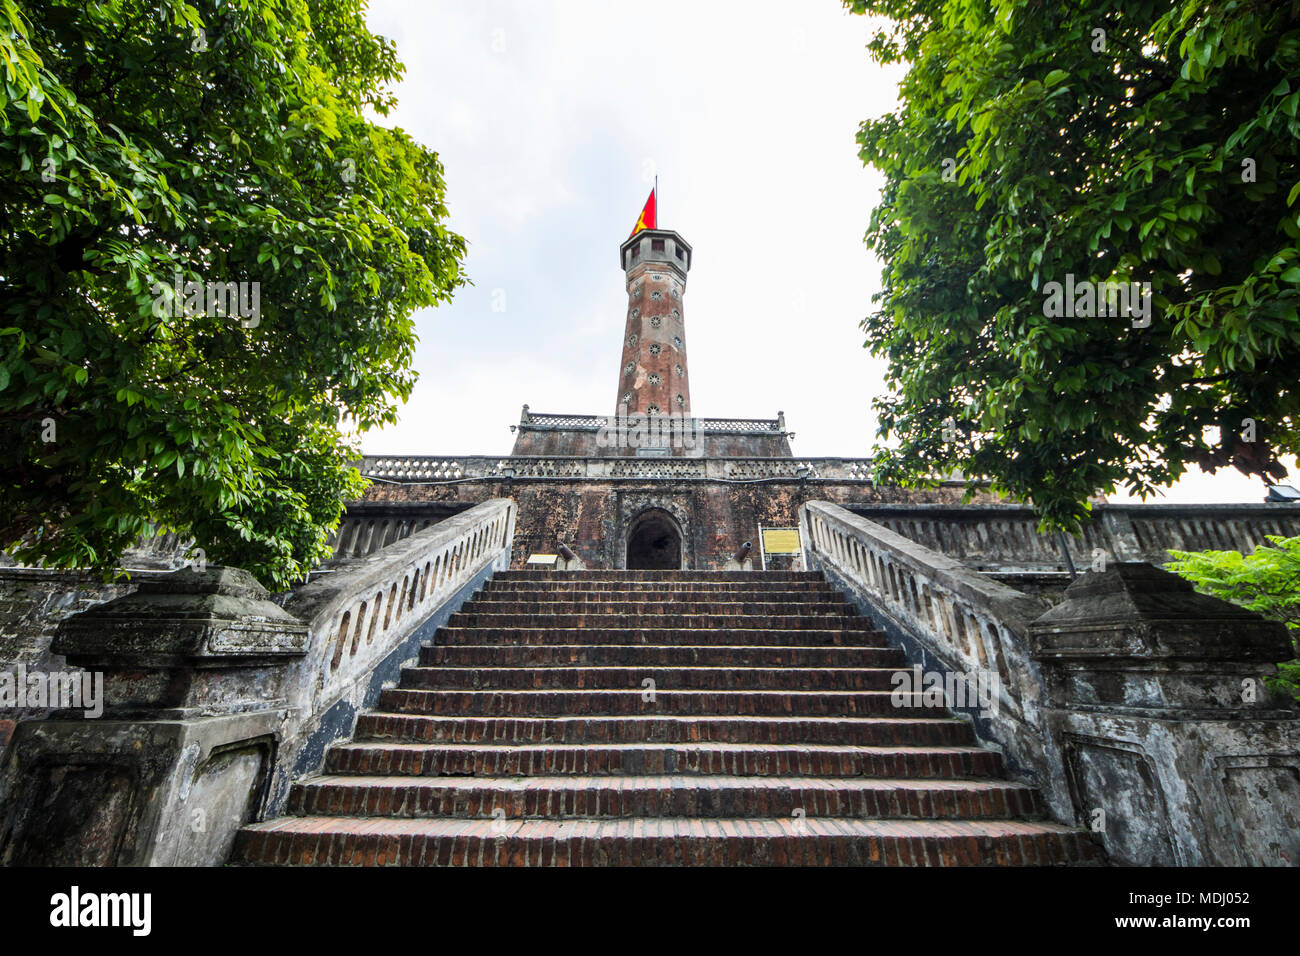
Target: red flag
<point x="647" y="218"/>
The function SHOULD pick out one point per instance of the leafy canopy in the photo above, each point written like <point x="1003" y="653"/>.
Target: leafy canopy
<point x="1267" y="581"/>
<point x="217" y="142"/>
<point x="1148" y="141"/>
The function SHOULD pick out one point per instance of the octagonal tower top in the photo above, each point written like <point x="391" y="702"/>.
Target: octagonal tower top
<point x="660" y="249"/>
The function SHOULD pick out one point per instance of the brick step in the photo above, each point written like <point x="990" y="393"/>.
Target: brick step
<point x="655" y="609"/>
<point x="720" y="655"/>
<point x="618" y="701"/>
<point x="675" y="795"/>
<point x="611" y="591"/>
<point x="634" y="621"/>
<point x="633" y="677"/>
<point x="361" y="841"/>
<point x="524" y="736"/>
<point x="928" y="730"/>
<point x="551" y="587"/>
<point x="826" y="637"/>
<point x="686" y="758"/>
<point x="704" y="577"/>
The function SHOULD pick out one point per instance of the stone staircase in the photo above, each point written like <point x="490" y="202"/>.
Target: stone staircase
<point x="658" y="717"/>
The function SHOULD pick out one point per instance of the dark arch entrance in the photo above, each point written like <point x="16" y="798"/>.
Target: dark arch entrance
<point x="654" y="543"/>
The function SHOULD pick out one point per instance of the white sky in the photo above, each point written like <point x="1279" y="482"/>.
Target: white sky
<point x="552" y="117"/>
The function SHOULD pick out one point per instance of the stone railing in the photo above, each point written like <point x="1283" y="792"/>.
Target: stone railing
<point x="541" y="468"/>
<point x="595" y="422"/>
<point x="542" y="420"/>
<point x="675" y="468"/>
<point x="363" y="615"/>
<point x="1006" y="537"/>
<point x="742" y="424"/>
<point x="214" y="697"/>
<point x="949" y="619"/>
<point x="360" y="535"/>
<point x="1138" y="707"/>
<point x="420" y="468"/>
<point x="778" y="468"/>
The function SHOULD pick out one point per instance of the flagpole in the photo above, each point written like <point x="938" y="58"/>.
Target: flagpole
<point x="656" y="200"/>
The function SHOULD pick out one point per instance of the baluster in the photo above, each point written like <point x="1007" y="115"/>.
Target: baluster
<point x="340" y="638"/>
<point x="356" y="633"/>
<point x="374" y="618"/>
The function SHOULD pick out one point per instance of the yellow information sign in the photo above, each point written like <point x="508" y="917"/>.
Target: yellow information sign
<point x="781" y="540"/>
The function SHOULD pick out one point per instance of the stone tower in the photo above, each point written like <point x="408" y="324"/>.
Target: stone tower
<point x="652" y="375"/>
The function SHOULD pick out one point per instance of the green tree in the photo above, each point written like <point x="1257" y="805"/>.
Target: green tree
<point x="146" y="144"/>
<point x="1267" y="581"/>
<point x="1148" y="141"/>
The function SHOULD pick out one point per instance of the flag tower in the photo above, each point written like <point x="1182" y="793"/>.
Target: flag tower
<point x="652" y="378"/>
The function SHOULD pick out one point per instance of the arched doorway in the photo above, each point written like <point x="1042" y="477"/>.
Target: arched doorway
<point x="654" y="543"/>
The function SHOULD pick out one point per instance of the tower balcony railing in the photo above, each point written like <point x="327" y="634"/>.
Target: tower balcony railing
<point x="595" y="422"/>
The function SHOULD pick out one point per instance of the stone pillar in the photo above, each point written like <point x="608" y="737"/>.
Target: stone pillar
<point x="1175" y="754"/>
<point x="193" y="667"/>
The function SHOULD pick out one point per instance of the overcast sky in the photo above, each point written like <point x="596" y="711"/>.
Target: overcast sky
<point x="552" y="118"/>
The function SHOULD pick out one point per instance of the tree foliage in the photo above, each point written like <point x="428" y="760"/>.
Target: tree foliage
<point x="1267" y="581"/>
<point x="142" y="142"/>
<point x="1148" y="141"/>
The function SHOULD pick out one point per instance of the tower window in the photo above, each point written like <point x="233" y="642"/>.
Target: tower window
<point x="631" y="339"/>
<point x="636" y="313"/>
<point x="655" y="348"/>
<point x="678" y="250"/>
<point x="681" y="402"/>
<point x="656" y="295"/>
<point x="628" y="368"/>
<point x="677" y="341"/>
<point x="654" y="378"/>
<point x="656" y="245"/>
<point x="656" y="321"/>
<point x="679" y="370"/>
<point x="652" y="410"/>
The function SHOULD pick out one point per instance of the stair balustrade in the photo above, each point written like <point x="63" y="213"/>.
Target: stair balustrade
<point x="215" y="697"/>
<point x="366" y="616"/>
<point x="1136" y="706"/>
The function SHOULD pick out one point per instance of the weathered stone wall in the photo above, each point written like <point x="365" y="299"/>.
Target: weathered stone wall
<point x="34" y="600"/>
<point x="711" y="441"/>
<point x="32" y="603"/>
<point x="594" y="516"/>
<point x="581" y="442"/>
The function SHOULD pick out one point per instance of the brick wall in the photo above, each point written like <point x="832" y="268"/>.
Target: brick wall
<point x="593" y="516"/>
